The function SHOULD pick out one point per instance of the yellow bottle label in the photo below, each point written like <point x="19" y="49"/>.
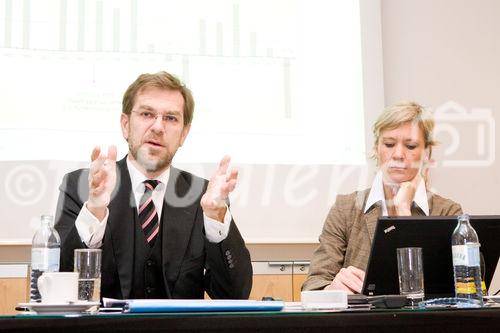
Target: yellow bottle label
<point x="465" y="288"/>
<point x="469" y="287"/>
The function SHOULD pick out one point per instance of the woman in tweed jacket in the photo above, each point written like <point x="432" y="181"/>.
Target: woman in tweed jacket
<point x="403" y="145"/>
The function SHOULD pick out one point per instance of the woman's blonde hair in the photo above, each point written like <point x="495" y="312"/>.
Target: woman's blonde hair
<point x="403" y="112"/>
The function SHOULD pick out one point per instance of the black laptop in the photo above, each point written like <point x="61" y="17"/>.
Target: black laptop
<point x="433" y="235"/>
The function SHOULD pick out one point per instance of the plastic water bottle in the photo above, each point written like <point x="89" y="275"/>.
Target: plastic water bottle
<point x="466" y="261"/>
<point x="45" y="253"/>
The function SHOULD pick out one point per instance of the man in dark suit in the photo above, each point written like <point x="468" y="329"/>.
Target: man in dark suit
<point x="164" y="233"/>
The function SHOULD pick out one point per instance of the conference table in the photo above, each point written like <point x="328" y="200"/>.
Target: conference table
<point x="403" y="320"/>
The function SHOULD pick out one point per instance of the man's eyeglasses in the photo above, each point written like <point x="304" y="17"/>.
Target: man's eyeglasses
<point x="150" y="117"/>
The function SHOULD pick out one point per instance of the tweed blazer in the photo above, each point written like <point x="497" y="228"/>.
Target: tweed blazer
<point x="348" y="233"/>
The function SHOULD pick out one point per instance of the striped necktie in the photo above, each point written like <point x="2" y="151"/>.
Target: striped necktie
<point x="148" y="217"/>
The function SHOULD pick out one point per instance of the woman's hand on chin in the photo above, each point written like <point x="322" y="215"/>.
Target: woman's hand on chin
<point x="404" y="198"/>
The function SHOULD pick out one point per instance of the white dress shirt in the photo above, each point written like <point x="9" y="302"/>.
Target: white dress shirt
<point x="377" y="195"/>
<point x="91" y="230"/>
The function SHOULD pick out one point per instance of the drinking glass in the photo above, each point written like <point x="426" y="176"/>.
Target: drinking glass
<point x="88" y="266"/>
<point x="411" y="273"/>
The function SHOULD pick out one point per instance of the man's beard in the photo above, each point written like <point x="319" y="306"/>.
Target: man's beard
<point x="141" y="154"/>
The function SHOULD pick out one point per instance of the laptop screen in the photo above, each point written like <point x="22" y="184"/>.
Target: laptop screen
<point x="433" y="235"/>
<point x="494" y="287"/>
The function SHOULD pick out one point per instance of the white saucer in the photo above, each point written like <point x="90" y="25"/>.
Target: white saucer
<point x="59" y="308"/>
<point x="495" y="298"/>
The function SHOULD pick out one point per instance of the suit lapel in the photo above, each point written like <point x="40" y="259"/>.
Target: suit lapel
<point x="121" y="227"/>
<point x="371" y="219"/>
<point x="178" y="217"/>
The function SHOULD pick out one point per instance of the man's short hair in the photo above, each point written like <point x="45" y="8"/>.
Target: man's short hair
<point x="160" y="80"/>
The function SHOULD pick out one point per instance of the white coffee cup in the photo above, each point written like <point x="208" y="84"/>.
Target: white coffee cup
<point x="58" y="287"/>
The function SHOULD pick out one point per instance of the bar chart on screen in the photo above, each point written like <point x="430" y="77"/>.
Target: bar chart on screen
<point x="262" y="74"/>
<point x="279" y="85"/>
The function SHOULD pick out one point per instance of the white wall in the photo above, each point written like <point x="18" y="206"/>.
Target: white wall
<point x="441" y="50"/>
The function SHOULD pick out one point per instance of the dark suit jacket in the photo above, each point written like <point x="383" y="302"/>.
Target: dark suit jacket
<point x="191" y="264"/>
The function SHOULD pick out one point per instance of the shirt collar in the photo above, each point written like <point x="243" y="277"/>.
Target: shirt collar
<point x="376" y="195"/>
<point x="137" y="178"/>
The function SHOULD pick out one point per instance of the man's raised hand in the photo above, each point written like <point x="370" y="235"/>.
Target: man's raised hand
<point x="102" y="181"/>
<point x="221" y="184"/>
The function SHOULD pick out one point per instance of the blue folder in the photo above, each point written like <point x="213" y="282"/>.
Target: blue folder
<point x="196" y="305"/>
